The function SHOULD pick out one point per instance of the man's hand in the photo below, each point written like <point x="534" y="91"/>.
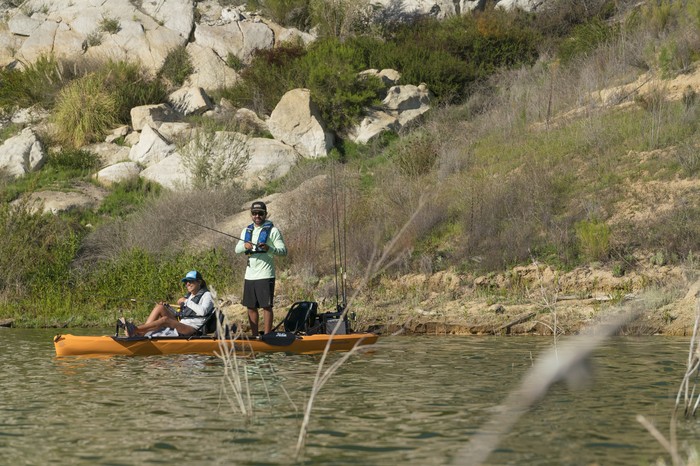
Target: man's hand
<point x="248" y="246"/>
<point x="263" y="247"/>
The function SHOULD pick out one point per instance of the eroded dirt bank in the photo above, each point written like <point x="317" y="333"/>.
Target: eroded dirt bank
<point x="525" y="300"/>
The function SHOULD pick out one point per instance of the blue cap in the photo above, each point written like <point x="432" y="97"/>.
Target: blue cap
<point x="192" y="275"/>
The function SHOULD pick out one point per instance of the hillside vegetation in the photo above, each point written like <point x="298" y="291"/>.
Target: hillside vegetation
<point x="560" y="139"/>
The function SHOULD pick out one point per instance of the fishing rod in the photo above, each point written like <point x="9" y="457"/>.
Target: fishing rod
<point x="255" y="250"/>
<point x="214" y="230"/>
<point x="339" y="244"/>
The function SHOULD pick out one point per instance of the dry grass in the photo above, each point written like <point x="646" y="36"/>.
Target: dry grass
<point x="157" y="228"/>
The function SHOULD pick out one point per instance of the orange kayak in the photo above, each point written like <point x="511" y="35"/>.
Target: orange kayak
<point x="72" y="345"/>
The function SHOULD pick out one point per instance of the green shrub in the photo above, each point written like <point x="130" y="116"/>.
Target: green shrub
<point x="232" y="61"/>
<point x="36" y="248"/>
<point x="584" y="39"/>
<point x="331" y="71"/>
<point x="594" y="239"/>
<point x="290" y="13"/>
<point x="38" y="83"/>
<point x="660" y="15"/>
<point x="559" y="18"/>
<point x="128" y="285"/>
<point x="449" y="56"/>
<point x="177" y="66"/>
<point x="94" y="39"/>
<point x="74" y="160"/>
<point x="338" y="18"/>
<point x="677" y="56"/>
<point x="110" y="25"/>
<point x="131" y="86"/>
<point x="85" y="111"/>
<point x="90" y="106"/>
<point x="149" y="278"/>
<point x="126" y="197"/>
<point x="270" y="74"/>
<point x="214" y="159"/>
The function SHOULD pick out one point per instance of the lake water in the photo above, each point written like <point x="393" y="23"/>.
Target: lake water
<point x="413" y="400"/>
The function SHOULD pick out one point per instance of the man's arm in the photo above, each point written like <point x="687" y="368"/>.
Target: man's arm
<point x="278" y="247"/>
<point x="240" y="246"/>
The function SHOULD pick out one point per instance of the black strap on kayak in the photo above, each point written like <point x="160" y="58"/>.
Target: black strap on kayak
<point x="278" y="338"/>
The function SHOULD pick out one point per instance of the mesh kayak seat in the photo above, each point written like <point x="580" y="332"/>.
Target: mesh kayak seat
<point x="210" y="327"/>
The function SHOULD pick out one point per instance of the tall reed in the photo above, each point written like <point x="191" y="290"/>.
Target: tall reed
<point x="390" y="254"/>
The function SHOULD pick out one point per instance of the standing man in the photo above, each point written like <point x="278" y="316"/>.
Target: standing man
<point x="261" y="240"/>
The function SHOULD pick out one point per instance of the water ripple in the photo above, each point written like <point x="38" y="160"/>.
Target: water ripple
<point x="412" y="401"/>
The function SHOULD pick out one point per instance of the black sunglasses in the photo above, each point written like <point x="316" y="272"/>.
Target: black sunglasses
<point x="261" y="214"/>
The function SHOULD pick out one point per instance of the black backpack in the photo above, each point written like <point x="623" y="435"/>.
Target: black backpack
<point x="301" y="317"/>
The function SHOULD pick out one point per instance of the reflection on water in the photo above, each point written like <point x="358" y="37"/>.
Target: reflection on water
<point x="415" y="400"/>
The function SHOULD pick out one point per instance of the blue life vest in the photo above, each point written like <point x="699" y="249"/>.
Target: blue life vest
<point x="262" y="237"/>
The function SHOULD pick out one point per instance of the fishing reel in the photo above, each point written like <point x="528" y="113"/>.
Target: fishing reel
<point x="257" y="249"/>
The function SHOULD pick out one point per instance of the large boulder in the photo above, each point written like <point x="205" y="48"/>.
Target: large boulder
<point x="151" y="148"/>
<point x="70" y="28"/>
<point x="176" y="131"/>
<point x="373" y="124"/>
<point x="525" y="5"/>
<point x="401" y="106"/>
<point x="108" y="153"/>
<point x="210" y="70"/>
<point x="249" y="122"/>
<point x="269" y="160"/>
<point x="28" y="116"/>
<point x="169" y="173"/>
<point x="81" y="196"/>
<point x="190" y="101"/>
<point x="22" y="154"/>
<point x="118" y="172"/>
<point x="151" y="115"/>
<point x="239" y="38"/>
<point x="297" y="122"/>
<point x="22" y="25"/>
<point x="177" y="15"/>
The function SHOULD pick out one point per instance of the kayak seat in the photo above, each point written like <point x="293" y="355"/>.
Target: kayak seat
<point x="301" y="317"/>
<point x="209" y="327"/>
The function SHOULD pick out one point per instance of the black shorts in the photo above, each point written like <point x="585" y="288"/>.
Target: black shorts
<point x="258" y="293"/>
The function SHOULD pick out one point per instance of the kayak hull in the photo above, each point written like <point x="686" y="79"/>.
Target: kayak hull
<point x="73" y="345"/>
